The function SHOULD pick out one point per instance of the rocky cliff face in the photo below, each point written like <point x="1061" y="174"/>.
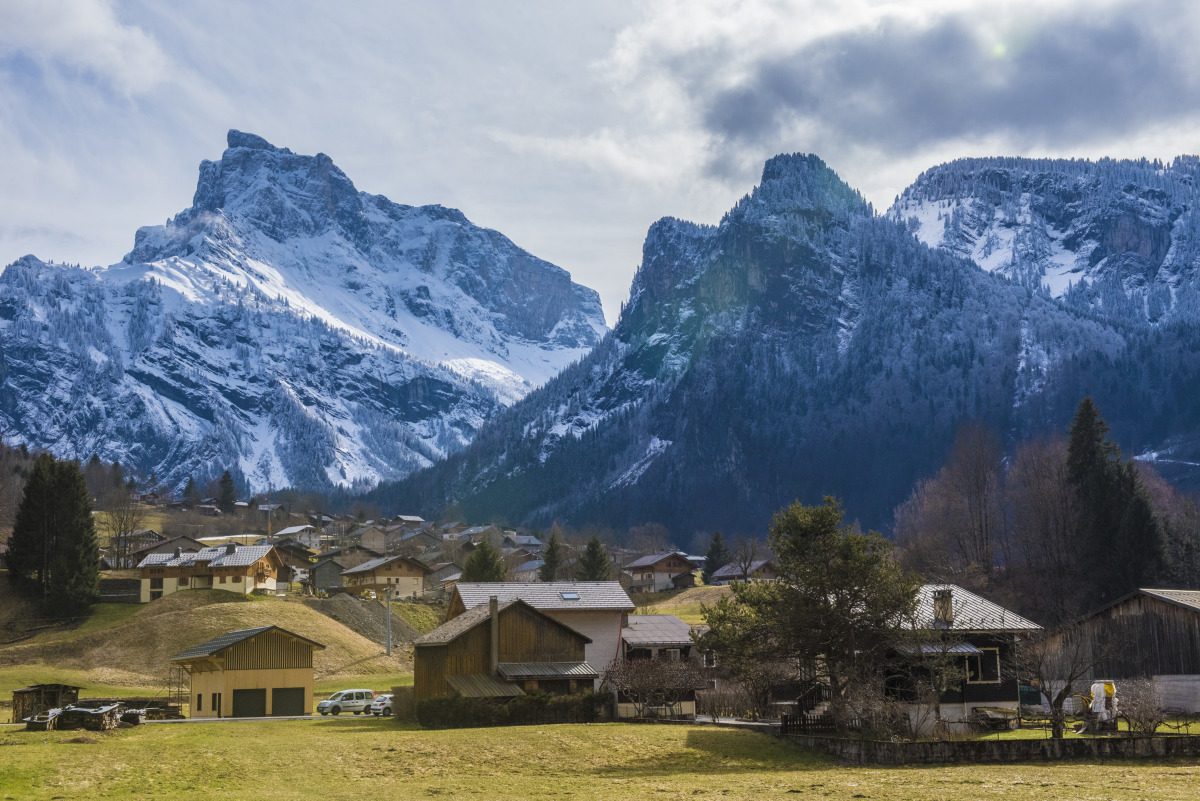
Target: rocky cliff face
<point x="287" y="326"/>
<point x="1121" y="238"/>
<point x="805" y="347"/>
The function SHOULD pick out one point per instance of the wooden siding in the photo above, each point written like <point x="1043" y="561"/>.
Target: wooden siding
<point x="525" y="636"/>
<point x="271" y="650"/>
<point x="1144" y="636"/>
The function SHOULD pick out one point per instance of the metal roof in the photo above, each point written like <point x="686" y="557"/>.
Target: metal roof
<point x="216" y="556"/>
<point x="532" y="564"/>
<point x="371" y="564"/>
<point x="656" y="630"/>
<point x="654" y="559"/>
<point x="548" y="596"/>
<point x="292" y="530"/>
<point x="218" y="644"/>
<point x="971" y="612"/>
<point x="734" y="570"/>
<point x="1188" y="598"/>
<point x="547" y="670"/>
<point x="480" y="685"/>
<point x="934" y="649"/>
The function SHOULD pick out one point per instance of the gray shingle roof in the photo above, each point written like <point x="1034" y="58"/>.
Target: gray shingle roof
<point x="663" y="630"/>
<point x="458" y="625"/>
<point x="216" y="556"/>
<point x="653" y="559"/>
<point x="971" y="612"/>
<point x="734" y="570"/>
<point x="548" y="596"/>
<point x="218" y="644"/>
<point x="371" y="564"/>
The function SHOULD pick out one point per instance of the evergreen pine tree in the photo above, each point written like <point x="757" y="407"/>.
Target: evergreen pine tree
<point x="595" y="564"/>
<point x="716" y="558"/>
<point x="484" y="564"/>
<point x="53" y="548"/>
<point x="551" y="558"/>
<point x="191" y="493"/>
<point x="226" y="493"/>
<point x="1118" y="535"/>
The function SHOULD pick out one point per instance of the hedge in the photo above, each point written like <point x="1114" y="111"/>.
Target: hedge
<point x="450" y="713"/>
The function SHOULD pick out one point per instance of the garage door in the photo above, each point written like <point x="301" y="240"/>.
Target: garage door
<point x="287" y="701"/>
<point x="249" y="703"/>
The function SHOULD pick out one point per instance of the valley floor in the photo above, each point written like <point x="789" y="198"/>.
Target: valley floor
<point x="354" y="758"/>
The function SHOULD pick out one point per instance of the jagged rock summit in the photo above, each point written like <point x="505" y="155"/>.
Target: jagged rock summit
<point x="286" y="326"/>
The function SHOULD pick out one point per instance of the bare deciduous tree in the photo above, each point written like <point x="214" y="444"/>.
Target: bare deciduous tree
<point x="651" y="684"/>
<point x="1058" y="663"/>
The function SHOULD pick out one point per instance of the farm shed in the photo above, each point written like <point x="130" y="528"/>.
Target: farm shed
<point x="1150" y="633"/>
<point x="259" y="672"/>
<point x="31" y="700"/>
<point x="500" y="649"/>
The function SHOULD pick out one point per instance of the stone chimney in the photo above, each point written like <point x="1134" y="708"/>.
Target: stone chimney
<point x="494" y="616"/>
<point x="943" y="608"/>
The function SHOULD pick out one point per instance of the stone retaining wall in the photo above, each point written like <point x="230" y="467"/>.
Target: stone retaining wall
<point x="872" y="752"/>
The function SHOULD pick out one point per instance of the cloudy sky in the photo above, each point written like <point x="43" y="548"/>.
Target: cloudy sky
<point x="568" y="126"/>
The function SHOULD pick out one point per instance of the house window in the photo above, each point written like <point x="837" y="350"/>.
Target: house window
<point x="710" y="658"/>
<point x="199" y="702"/>
<point x="183" y="581"/>
<point x="984" y="668"/>
<point x="671" y="654"/>
<point x="222" y="579"/>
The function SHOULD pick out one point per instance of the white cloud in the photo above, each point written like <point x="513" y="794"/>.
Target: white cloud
<point x="83" y="35"/>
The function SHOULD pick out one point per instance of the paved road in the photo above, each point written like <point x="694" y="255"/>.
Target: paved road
<point x="347" y="716"/>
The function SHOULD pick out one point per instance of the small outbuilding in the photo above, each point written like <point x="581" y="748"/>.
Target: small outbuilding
<point x="261" y="672"/>
<point x="37" y="698"/>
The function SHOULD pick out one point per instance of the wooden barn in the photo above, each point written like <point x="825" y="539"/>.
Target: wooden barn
<point x="260" y="672"/>
<point x="498" y="650"/>
<point x="1150" y="633"/>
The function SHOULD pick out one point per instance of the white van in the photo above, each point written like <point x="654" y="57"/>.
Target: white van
<point x="356" y="701"/>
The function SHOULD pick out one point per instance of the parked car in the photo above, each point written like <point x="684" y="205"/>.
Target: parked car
<point x="382" y="705"/>
<point x="356" y="701"/>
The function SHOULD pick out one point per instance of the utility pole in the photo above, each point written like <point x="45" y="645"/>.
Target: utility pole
<point x="387" y="596"/>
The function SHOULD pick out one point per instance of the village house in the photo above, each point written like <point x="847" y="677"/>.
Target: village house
<point x="664" y="637"/>
<point x="181" y="543"/>
<point x="501" y="649"/>
<point x="122" y="547"/>
<point x="325" y="575"/>
<point x="402" y="575"/>
<point x="528" y="570"/>
<point x="233" y="568"/>
<point x="657" y="572"/>
<point x="258" y="672"/>
<point x="296" y="557"/>
<point x="970" y="641"/>
<point x="596" y="609"/>
<point x="1149" y="633"/>
<point x="371" y="537"/>
<point x="439" y="573"/>
<point x="306" y="535"/>
<point x="758" y="570"/>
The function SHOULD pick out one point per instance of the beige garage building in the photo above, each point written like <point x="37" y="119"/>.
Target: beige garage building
<point x="260" y="672"/>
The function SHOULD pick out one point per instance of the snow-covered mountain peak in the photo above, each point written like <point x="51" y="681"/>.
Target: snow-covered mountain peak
<point x="286" y="326"/>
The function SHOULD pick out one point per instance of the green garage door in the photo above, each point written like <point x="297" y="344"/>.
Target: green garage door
<point x="249" y="703"/>
<point x="287" y="701"/>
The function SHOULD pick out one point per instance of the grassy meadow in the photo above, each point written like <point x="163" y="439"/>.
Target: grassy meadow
<point x="353" y="758"/>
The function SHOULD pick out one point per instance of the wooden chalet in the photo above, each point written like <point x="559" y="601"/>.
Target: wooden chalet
<point x="758" y="570"/>
<point x="596" y="609"/>
<point x="403" y="576"/>
<point x="658" y="571"/>
<point x="258" y="672"/>
<point x="1149" y="633"/>
<point x="233" y="568"/>
<point x="500" y="650"/>
<point x="973" y="639"/>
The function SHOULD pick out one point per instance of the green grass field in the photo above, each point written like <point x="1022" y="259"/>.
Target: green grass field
<point x="687" y="605"/>
<point x="354" y="758"/>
